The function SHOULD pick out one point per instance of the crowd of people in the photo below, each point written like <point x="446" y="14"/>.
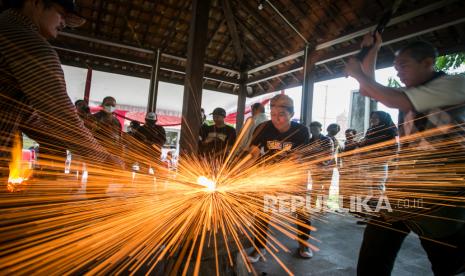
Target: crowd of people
<point x="34" y="101"/>
<point x="140" y="146"/>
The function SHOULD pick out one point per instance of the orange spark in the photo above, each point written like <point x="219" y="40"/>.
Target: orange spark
<point x="19" y="170"/>
<point x="210" y="185"/>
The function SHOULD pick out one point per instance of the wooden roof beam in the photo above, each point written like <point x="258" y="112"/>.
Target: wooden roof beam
<point x="256" y="39"/>
<point x="233" y="30"/>
<point x="251" y="52"/>
<point x="141" y="50"/>
<point x="395" y="20"/>
<point x="327" y="69"/>
<point x="276" y="73"/>
<point x="390" y="36"/>
<point x="259" y="18"/>
<point x="143" y="62"/>
<point x="210" y="39"/>
<point x="172" y="26"/>
<point x="298" y="9"/>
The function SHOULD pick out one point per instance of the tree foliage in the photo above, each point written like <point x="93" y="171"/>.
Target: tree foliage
<point x="392" y="82"/>
<point x="450" y="62"/>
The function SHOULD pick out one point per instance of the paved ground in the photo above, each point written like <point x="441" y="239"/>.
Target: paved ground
<point x="341" y="238"/>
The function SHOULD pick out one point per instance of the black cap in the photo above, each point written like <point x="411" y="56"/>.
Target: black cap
<point x="219" y="111"/>
<point x="256" y="105"/>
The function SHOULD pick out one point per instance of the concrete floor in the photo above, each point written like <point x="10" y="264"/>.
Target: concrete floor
<point x="341" y="238"/>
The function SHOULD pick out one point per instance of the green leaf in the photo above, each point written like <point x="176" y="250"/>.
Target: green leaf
<point x="450" y="62"/>
<point x="392" y="82"/>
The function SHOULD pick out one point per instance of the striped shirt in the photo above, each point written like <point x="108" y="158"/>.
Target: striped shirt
<point x="33" y="97"/>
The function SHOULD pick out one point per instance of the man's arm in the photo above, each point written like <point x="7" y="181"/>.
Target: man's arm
<point x="365" y="74"/>
<point x="254" y="151"/>
<point x="44" y="86"/>
<point x="369" y="62"/>
<point x="390" y="97"/>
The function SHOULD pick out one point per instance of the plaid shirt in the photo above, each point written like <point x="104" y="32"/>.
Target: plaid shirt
<point x="33" y="97"/>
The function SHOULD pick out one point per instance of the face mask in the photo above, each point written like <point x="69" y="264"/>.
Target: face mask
<point x="109" y="108"/>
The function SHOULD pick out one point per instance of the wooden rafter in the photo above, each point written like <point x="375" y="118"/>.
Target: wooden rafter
<point x="222" y="52"/>
<point x="233" y="30"/>
<point x="255" y="37"/>
<point x="215" y="32"/>
<point x="261" y="34"/>
<point x="128" y="60"/>
<point x="265" y="25"/>
<point x="327" y="69"/>
<point x="297" y="8"/>
<point x="165" y="42"/>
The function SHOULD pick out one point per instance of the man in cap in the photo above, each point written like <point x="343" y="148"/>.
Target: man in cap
<point x="151" y="139"/>
<point x="279" y="138"/>
<point x="33" y="97"/>
<point x="109" y="128"/>
<point x="217" y="140"/>
<point x="150" y="133"/>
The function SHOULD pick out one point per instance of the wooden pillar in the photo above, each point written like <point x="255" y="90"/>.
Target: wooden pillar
<point x="192" y="99"/>
<point x="154" y="77"/>
<point x="88" y="85"/>
<point x="307" y="88"/>
<point x="241" y="102"/>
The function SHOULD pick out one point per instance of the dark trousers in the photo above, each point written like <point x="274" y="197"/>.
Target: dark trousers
<point x="382" y="243"/>
<point x="263" y="224"/>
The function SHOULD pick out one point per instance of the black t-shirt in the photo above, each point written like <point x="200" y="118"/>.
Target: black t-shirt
<point x="108" y="128"/>
<point x="268" y="138"/>
<point x="151" y="135"/>
<point x="222" y="138"/>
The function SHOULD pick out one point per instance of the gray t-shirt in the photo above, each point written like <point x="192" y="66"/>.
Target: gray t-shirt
<point x="441" y="101"/>
<point x="437" y="152"/>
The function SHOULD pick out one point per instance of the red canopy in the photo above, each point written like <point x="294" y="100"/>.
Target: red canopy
<point x="165" y="120"/>
<point x="162" y="120"/>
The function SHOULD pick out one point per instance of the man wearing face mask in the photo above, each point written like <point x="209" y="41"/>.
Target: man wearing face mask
<point x="33" y="97"/>
<point x="108" y="130"/>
